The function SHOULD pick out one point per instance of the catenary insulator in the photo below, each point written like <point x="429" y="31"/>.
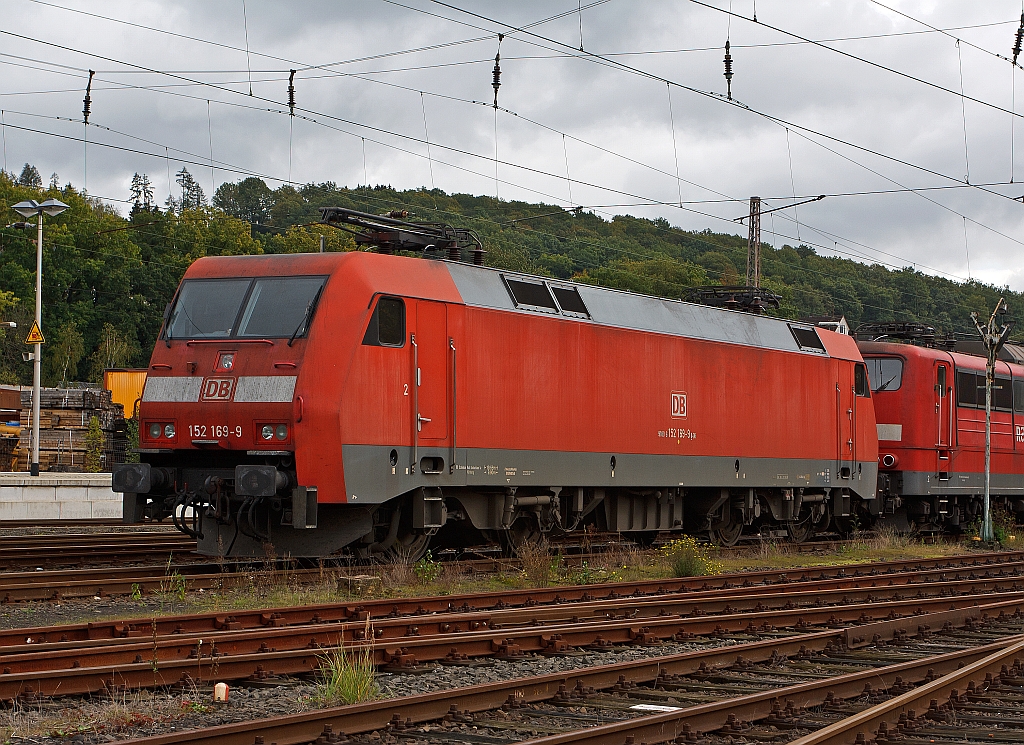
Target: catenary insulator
<point x="728" y="69"/>
<point x="497" y="71"/>
<point x="291" y="93"/>
<point x="87" y="103"/>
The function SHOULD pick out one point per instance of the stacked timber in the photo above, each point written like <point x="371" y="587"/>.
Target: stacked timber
<point x="64" y="416"/>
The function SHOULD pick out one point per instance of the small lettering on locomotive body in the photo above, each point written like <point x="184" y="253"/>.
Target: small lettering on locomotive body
<point x="1019" y="433"/>
<point x="674" y="433"/>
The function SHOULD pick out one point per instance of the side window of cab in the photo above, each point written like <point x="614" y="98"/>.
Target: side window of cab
<point x="387" y="324"/>
<point x="860" y="380"/>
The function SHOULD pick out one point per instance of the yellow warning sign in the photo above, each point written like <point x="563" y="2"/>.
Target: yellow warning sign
<point x="35" y="336"/>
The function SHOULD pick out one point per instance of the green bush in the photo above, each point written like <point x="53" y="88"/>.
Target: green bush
<point x="687" y="558"/>
<point x="94" y="442"/>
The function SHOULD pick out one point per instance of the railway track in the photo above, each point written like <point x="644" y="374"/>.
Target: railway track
<point x="77" y="549"/>
<point x="938" y="676"/>
<point x="36" y="555"/>
<point x="403" y="635"/>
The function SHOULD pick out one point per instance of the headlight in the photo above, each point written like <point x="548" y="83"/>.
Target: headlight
<point x="154" y="431"/>
<point x="268" y="432"/>
<point x="282" y="431"/>
<point x="169" y="431"/>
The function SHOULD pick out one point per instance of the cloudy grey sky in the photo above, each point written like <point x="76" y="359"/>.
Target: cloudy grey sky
<point x="173" y="81"/>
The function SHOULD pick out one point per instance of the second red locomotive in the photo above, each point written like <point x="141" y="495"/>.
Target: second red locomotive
<point x="930" y="405"/>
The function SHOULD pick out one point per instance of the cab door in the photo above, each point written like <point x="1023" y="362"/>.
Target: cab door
<point x="433" y="373"/>
<point x="942" y="395"/>
<point x="846" y="420"/>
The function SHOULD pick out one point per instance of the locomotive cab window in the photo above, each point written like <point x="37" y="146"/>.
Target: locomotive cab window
<point x="1018" y="396"/>
<point x="884" y="373"/>
<point x="206" y="308"/>
<point x="807" y="339"/>
<point x="530" y="295"/>
<point x="280" y="306"/>
<point x="264" y="307"/>
<point x="860" y="381"/>
<point x="387" y="324"/>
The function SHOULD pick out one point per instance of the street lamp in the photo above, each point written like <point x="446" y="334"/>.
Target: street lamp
<point x="29" y="207"/>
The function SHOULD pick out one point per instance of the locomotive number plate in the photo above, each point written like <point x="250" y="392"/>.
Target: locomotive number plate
<point x="201" y="431"/>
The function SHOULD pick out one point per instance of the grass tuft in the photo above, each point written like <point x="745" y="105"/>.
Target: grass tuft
<point x="348" y="676"/>
<point x="539" y="566"/>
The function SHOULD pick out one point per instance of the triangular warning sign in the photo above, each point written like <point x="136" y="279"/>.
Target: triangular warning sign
<point x="35" y="336"/>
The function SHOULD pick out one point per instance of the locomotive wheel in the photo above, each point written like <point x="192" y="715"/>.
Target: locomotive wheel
<point x="411" y="547"/>
<point x="524" y="531"/>
<point x="803" y="529"/>
<point x="727" y="536"/>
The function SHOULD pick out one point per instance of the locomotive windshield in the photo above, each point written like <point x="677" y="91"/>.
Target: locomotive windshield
<point x="265" y="307"/>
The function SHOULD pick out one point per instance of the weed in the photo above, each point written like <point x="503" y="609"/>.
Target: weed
<point x="136" y="591"/>
<point x="348" y="676"/>
<point x="689" y="558"/>
<point x="175" y="585"/>
<point x="585" y="574"/>
<point x="427" y="570"/>
<point x="539" y="566"/>
<point x="888" y="538"/>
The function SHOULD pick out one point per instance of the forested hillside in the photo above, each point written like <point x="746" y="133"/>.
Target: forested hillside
<point x="107" y="279"/>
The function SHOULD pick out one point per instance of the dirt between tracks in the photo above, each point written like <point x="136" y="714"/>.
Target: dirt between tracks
<point x="263" y="587"/>
<point x="101" y="718"/>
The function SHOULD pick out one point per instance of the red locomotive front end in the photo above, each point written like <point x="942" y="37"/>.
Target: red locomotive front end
<point x="930" y="405"/>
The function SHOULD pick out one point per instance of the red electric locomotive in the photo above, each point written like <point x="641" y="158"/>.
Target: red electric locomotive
<point x="307" y="404"/>
<point x="930" y="406"/>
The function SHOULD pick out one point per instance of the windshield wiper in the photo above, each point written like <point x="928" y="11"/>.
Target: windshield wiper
<point x="306" y="316"/>
<point x="885" y="385"/>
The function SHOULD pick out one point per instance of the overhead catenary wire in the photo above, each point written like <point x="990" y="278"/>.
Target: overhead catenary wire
<point x="967" y="251"/>
<point x="243" y="171"/>
<point x="541" y="125"/>
<point x="426" y="137"/>
<point x="213" y="173"/>
<point x="963" y="109"/>
<point x="591" y="57"/>
<point x="245" y="27"/>
<point x="792" y="182"/>
<point x="537" y="23"/>
<point x="496" y="159"/>
<point x="3" y="129"/>
<point x="930" y="27"/>
<point x="568" y="179"/>
<point x="366" y="180"/>
<point x="675" y="151"/>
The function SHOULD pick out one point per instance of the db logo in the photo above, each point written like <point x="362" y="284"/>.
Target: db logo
<point x="218" y="389"/>
<point x="679" y="404"/>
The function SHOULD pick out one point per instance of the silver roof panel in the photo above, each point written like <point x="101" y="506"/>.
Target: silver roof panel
<point x="482" y="287"/>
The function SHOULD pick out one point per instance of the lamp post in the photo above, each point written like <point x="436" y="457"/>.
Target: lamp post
<point x="29" y="207"/>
